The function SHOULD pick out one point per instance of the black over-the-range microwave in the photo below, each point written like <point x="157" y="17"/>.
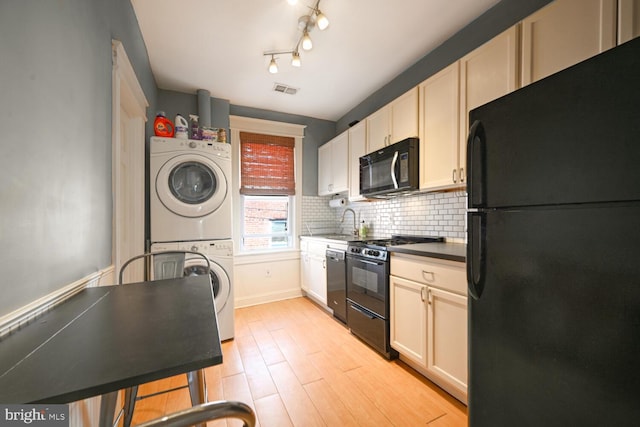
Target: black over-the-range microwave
<point x="391" y="170"/>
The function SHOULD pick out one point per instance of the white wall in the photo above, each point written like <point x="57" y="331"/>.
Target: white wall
<point x="259" y="279"/>
<point x="430" y="214"/>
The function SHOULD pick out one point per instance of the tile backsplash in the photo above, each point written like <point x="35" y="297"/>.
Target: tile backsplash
<point x="430" y="214"/>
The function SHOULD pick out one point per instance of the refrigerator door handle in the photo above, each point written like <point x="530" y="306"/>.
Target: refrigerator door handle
<point x="476" y="142"/>
<point x="476" y="253"/>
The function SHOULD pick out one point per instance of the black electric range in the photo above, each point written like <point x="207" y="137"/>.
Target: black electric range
<point x="368" y="289"/>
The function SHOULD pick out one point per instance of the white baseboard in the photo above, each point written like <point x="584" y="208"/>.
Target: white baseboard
<point x="268" y="297"/>
<point x="14" y="320"/>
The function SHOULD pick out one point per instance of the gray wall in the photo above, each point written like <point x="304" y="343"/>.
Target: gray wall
<point x="490" y="24"/>
<point x="55" y="129"/>
<point x="55" y="136"/>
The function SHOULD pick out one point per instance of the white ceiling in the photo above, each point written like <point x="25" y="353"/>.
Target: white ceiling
<point x="218" y="45"/>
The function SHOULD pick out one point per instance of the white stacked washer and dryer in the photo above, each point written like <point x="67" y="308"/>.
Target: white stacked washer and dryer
<point x="190" y="202"/>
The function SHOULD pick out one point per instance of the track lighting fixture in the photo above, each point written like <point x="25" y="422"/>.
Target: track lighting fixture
<point x="306" y="23"/>
<point x="273" y="65"/>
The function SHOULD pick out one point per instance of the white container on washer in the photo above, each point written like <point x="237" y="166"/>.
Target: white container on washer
<point x="181" y="127"/>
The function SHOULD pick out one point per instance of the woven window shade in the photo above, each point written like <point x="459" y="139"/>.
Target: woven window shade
<point x="267" y="165"/>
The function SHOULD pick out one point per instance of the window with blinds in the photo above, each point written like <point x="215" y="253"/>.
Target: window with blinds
<point x="267" y="187"/>
<point x="267" y="165"/>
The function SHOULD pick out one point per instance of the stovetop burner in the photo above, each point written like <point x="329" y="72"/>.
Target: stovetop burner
<point x="377" y="248"/>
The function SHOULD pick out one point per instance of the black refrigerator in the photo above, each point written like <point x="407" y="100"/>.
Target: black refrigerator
<point x="553" y="250"/>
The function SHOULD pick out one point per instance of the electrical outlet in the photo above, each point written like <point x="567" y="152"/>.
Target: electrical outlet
<point x="267" y="273"/>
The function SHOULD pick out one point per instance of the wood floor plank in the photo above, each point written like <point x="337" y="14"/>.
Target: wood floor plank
<point x="236" y="388"/>
<point x="297" y="366"/>
<point x="270" y="351"/>
<point x="298" y="404"/>
<point x="332" y="410"/>
<point x="296" y="358"/>
<point x="389" y="400"/>
<point x="258" y="375"/>
<point x="362" y="408"/>
<point x="271" y="412"/>
<point x="232" y="362"/>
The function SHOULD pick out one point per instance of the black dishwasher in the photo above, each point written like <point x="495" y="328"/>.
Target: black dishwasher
<point x="336" y="283"/>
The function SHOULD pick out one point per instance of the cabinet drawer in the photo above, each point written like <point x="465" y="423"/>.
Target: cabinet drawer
<point x="317" y="247"/>
<point x="444" y="274"/>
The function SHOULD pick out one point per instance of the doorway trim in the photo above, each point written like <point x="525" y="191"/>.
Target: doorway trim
<point x="128" y="142"/>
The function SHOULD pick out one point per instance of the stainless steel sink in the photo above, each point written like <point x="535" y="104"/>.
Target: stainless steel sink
<point x="343" y="237"/>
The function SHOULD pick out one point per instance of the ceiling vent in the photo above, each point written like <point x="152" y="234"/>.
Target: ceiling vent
<point x="279" y="87"/>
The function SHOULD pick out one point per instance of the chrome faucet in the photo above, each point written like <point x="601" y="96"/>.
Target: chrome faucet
<point x="355" y="227"/>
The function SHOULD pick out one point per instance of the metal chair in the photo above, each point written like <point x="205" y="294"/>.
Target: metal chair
<point x="206" y="412"/>
<point x="166" y="265"/>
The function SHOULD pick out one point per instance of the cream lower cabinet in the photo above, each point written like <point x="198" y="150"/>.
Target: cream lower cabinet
<point x="429" y="319"/>
<point x="447" y="337"/>
<point x="313" y="269"/>
<point x="409" y="319"/>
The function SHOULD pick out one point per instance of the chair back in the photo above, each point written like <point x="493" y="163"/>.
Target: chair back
<point x="165" y="264"/>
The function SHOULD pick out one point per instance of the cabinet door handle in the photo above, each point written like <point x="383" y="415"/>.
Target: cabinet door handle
<point x="385" y="141"/>
<point x="324" y="264"/>
<point x="431" y="274"/>
<point x="429" y="296"/>
<point x="454" y="176"/>
<point x="422" y="297"/>
<point x="461" y="174"/>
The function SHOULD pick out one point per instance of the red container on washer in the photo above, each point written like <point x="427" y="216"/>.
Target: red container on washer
<point x="163" y="126"/>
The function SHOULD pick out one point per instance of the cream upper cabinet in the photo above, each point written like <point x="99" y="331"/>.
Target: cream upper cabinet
<point x="393" y="122"/>
<point x="440" y="159"/>
<point x="333" y="166"/>
<point x="628" y="20"/>
<point x="378" y="129"/>
<point x="357" y="149"/>
<point x="564" y="33"/>
<point x="486" y="73"/>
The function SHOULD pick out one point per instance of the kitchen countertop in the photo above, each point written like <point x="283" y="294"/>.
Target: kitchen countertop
<point x="449" y="251"/>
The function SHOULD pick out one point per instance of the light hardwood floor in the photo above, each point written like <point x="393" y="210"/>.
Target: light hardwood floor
<point x="297" y="366"/>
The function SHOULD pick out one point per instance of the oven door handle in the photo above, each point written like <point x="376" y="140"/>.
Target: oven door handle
<point x="370" y="262"/>
<point x="361" y="311"/>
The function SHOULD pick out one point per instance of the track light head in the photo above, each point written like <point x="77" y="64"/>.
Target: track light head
<point x="321" y="20"/>
<point x="307" y="44"/>
<point x="295" y="59"/>
<point x="273" y="65"/>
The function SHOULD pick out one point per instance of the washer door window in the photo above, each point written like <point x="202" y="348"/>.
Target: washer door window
<point x="191" y="185"/>
<point x="219" y="279"/>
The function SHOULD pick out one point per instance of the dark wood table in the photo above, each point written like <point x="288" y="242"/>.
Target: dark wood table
<point x="109" y="338"/>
